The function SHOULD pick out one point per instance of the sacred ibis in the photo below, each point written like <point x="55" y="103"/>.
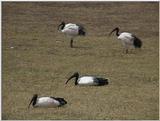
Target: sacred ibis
<point x="88" y="80"/>
<point x="127" y="39"/>
<point x="46" y="101"/>
<point x="72" y="30"/>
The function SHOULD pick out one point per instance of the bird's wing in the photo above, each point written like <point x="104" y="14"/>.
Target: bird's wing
<point x="126" y="36"/>
<point x="73" y="26"/>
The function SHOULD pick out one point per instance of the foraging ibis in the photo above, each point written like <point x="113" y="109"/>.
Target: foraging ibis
<point x="127" y="39"/>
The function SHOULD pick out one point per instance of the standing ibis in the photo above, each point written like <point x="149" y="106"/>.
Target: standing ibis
<point x="127" y="39"/>
<point x="72" y="30"/>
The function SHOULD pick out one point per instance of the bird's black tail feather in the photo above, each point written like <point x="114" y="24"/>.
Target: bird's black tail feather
<point x="102" y="81"/>
<point x="81" y="30"/>
<point x="137" y="42"/>
<point x="61" y="100"/>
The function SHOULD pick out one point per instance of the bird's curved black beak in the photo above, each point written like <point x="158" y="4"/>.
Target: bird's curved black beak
<point x="70" y="78"/>
<point x="110" y="33"/>
<point x="33" y="100"/>
<point x="74" y="75"/>
<point x="113" y="31"/>
<point x="30" y="102"/>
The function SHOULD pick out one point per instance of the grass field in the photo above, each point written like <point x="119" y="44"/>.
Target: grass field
<point x="36" y="58"/>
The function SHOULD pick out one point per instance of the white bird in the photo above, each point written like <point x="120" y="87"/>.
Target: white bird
<point x="88" y="80"/>
<point x="72" y="30"/>
<point x="127" y="39"/>
<point x="46" y="101"/>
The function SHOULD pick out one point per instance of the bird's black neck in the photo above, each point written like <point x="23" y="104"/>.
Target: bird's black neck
<point x="117" y="31"/>
<point x="62" y="26"/>
<point x="34" y="100"/>
<point x="76" y="79"/>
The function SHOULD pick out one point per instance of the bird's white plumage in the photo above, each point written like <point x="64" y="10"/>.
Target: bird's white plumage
<point x="71" y="29"/>
<point x="46" y="102"/>
<point x="87" y="80"/>
<point x="126" y="38"/>
<point x="70" y="25"/>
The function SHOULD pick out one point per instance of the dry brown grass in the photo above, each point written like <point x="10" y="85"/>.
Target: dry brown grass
<point x="42" y="60"/>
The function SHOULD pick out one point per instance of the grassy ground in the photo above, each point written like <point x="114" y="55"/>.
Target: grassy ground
<point x="42" y="60"/>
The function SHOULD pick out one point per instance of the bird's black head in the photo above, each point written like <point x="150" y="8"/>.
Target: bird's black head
<point x="76" y="75"/>
<point x="61" y="26"/>
<point x="33" y="100"/>
<point x="115" y="29"/>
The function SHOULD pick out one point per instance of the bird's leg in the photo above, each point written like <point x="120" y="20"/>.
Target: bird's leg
<point x="126" y="50"/>
<point x="71" y="43"/>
